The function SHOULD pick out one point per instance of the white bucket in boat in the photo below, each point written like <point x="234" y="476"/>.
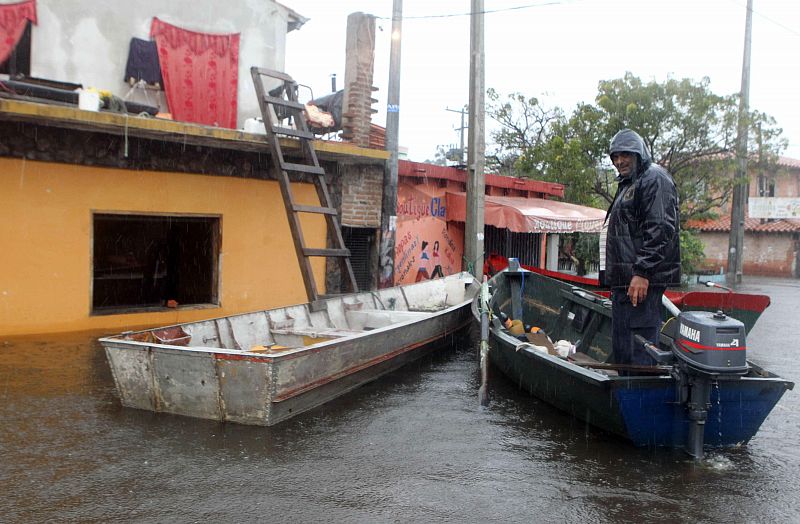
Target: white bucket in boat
<point x="89" y="100"/>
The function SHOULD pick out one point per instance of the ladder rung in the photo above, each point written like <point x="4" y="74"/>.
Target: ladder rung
<point x="288" y="131"/>
<point x="272" y="73"/>
<point x="314" y="209"/>
<point x="317" y="252"/>
<point x="283" y="102"/>
<point x="302" y="168"/>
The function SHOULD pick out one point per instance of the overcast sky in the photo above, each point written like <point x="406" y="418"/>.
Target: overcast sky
<point x="557" y="51"/>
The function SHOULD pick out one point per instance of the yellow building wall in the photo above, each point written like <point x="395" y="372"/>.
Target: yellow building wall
<point x="46" y="242"/>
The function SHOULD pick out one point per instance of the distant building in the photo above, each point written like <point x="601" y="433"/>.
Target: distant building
<point x="771" y="245"/>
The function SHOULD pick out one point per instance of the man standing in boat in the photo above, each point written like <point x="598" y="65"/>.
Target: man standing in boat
<point x="642" y="247"/>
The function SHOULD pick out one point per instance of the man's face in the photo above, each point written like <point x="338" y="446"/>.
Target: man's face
<point x="624" y="162"/>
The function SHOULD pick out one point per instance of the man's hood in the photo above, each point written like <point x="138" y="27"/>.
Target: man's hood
<point x="629" y="141"/>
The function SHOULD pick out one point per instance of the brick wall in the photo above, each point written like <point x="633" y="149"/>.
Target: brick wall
<point x="362" y="193"/>
<point x="764" y="254"/>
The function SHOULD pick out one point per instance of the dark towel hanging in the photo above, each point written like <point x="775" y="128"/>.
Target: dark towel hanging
<point x="143" y="62"/>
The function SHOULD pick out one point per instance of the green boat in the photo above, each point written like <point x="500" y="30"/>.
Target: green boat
<point x="688" y="398"/>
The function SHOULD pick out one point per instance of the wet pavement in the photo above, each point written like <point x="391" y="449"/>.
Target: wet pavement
<point x="412" y="447"/>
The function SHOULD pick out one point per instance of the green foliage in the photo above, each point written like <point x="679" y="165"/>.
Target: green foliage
<point x="440" y="157"/>
<point x="586" y="250"/>
<point x="692" y="252"/>
<point x="688" y="129"/>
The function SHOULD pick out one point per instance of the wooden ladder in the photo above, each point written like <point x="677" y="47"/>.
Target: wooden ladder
<point x="279" y="104"/>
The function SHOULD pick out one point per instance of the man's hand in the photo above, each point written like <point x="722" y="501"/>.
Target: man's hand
<point x="637" y="289"/>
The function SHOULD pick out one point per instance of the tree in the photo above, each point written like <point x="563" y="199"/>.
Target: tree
<point x="524" y="127"/>
<point x="440" y="157"/>
<point x="688" y="129"/>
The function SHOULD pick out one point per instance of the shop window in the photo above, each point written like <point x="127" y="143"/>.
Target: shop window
<point x="524" y="246"/>
<point x="146" y="262"/>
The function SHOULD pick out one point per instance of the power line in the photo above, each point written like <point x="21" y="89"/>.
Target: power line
<point x="768" y="19"/>
<point x="559" y="2"/>
<point x="485" y="11"/>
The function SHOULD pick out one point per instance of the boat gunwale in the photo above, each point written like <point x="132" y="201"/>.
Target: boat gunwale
<point x="277" y="355"/>
<point x="115" y="342"/>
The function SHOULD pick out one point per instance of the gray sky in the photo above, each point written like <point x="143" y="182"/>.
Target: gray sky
<point x="557" y="51"/>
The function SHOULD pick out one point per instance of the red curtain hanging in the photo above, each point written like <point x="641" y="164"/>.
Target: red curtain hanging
<point x="201" y="74"/>
<point x="13" y="18"/>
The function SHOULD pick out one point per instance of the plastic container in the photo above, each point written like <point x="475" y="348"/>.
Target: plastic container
<point x="254" y="125"/>
<point x="89" y="100"/>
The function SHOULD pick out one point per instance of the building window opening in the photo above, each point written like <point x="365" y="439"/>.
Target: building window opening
<point x="359" y="241"/>
<point x="502" y="241"/>
<point x="144" y="262"/>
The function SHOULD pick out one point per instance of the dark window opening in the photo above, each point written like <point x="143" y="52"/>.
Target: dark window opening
<point x="502" y="241"/>
<point x="18" y="62"/>
<point x="359" y="241"/>
<point x="144" y="262"/>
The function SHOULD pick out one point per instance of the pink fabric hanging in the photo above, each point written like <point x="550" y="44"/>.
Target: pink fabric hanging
<point x="13" y="19"/>
<point x="201" y="74"/>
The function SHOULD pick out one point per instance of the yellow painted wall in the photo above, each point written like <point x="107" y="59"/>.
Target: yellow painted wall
<point x="46" y="242"/>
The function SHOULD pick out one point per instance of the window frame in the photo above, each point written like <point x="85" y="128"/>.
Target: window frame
<point x="216" y="243"/>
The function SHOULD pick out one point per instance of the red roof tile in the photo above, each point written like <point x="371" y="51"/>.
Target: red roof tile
<point x="787" y="225"/>
<point x="785" y="161"/>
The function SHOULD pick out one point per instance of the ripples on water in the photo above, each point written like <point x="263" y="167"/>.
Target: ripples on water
<point x="414" y="446"/>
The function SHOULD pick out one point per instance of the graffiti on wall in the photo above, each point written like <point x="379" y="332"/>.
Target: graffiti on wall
<point x="426" y="245"/>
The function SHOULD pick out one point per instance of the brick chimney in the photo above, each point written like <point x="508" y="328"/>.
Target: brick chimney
<point x="358" y="71"/>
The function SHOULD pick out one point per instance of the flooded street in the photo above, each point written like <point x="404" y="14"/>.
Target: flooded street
<point x="414" y="446"/>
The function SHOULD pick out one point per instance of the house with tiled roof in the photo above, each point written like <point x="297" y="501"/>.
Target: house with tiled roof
<point x="771" y="245"/>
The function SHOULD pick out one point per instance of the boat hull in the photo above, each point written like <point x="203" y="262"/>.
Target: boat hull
<point x="643" y="410"/>
<point x="247" y="387"/>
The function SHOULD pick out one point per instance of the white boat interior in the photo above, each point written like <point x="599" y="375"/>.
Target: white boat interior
<point x="286" y="328"/>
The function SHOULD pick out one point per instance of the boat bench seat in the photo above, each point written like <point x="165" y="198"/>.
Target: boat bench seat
<point x="313" y="332"/>
<point x="364" y="319"/>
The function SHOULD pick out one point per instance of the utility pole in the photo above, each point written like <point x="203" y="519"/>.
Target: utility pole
<point x="463" y="111"/>
<point x="389" y="208"/>
<point x="741" y="185"/>
<point x="476" y="183"/>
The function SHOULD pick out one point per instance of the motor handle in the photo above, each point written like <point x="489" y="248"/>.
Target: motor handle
<point x="662" y="357"/>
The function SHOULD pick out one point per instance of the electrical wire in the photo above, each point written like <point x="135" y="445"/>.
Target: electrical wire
<point x="559" y="2"/>
<point x="765" y="17"/>
<point x="484" y="12"/>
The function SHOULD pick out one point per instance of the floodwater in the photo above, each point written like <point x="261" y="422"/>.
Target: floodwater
<point x="412" y="447"/>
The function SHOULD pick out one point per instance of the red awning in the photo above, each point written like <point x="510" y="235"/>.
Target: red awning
<point x="530" y="215"/>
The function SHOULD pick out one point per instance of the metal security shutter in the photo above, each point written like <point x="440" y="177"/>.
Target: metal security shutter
<point x="502" y="241"/>
<point x="359" y="241"/>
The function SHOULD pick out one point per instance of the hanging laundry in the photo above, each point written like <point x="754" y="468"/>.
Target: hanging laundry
<point x="143" y="63"/>
<point x="13" y="20"/>
<point x="201" y="74"/>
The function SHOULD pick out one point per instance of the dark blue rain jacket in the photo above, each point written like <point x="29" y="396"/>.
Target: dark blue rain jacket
<point x="643" y="222"/>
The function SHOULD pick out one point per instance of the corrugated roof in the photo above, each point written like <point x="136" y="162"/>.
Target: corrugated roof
<point x="787" y="225"/>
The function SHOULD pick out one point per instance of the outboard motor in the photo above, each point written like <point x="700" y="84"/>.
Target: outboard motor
<point x="705" y="348"/>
